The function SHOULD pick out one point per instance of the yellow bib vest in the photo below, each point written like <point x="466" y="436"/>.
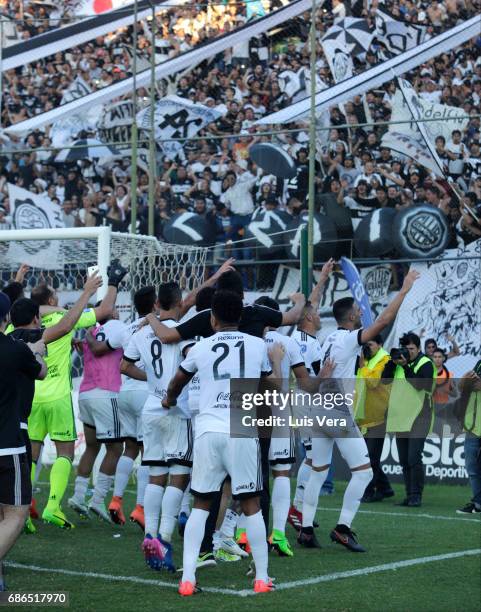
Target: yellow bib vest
<point x="472" y="418"/>
<point x="370" y="414"/>
<point x="406" y="402"/>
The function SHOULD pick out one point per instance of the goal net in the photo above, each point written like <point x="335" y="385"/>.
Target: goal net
<point x="61" y="258"/>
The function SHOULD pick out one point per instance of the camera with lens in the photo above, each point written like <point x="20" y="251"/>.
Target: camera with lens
<point x="366" y="351"/>
<point x="399" y="353"/>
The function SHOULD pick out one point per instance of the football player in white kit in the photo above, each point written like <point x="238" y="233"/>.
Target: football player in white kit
<point x="282" y="449"/>
<point x="131" y="399"/>
<point x="225" y="355"/>
<point x="167" y="434"/>
<point x="342" y="348"/>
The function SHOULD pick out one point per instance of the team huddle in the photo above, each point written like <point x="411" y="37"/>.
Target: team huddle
<point x="159" y="387"/>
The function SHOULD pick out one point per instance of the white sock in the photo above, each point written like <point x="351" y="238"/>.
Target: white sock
<point x="81" y="486"/>
<point x="302" y="478"/>
<point x="152" y="505"/>
<point x="186" y="500"/>
<point x="142" y="482"/>
<point x="352" y="495"/>
<point x="280" y="500"/>
<point x="122" y="475"/>
<point x="193" y="536"/>
<point x="256" y="534"/>
<point x="102" y="487"/>
<point x="229" y="523"/>
<point x="170" y="511"/>
<point x="311" y="496"/>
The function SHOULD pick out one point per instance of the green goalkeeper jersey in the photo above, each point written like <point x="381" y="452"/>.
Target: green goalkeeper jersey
<point x="58" y="382"/>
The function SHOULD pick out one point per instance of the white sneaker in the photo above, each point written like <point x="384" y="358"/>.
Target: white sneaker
<point x="229" y="545"/>
<point x="79" y="506"/>
<point x="100" y="511"/>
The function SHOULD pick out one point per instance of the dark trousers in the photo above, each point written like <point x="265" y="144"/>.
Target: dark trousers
<point x="410" y="449"/>
<point x="374" y="442"/>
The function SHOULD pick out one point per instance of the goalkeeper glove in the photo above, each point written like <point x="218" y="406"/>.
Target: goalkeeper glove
<point x="116" y="273"/>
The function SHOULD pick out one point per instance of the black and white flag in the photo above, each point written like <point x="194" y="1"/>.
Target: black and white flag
<point x="398" y="36"/>
<point x="176" y="118"/>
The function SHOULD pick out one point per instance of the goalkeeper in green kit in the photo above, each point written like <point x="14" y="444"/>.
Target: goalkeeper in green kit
<point x="52" y="408"/>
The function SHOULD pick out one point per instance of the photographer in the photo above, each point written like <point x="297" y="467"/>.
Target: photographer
<point x="410" y="410"/>
<point x="370" y="410"/>
<point x="470" y="400"/>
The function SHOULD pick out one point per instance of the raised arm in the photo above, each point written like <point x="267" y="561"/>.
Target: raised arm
<point x="316" y="293"/>
<point x="68" y="321"/>
<point x="115" y="275"/>
<point x="389" y="313"/>
<point x="189" y="300"/>
<point x="455" y="350"/>
<point x="292" y="316"/>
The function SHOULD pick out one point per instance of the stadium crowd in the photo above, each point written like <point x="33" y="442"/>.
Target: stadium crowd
<point x="214" y="175"/>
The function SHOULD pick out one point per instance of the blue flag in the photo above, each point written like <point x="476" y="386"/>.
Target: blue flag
<point x="357" y="289"/>
<point x="254" y="8"/>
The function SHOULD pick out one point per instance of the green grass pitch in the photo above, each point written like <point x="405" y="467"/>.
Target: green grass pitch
<point x="104" y="572"/>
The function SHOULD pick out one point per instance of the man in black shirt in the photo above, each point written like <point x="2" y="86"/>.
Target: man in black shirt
<point x="17" y="362"/>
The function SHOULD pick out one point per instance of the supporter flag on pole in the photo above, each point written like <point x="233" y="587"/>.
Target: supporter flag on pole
<point x="358" y="291"/>
<point x="397" y="36"/>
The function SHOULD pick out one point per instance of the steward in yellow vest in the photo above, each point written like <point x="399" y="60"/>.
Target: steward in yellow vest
<point x="410" y="411"/>
<point x="370" y="405"/>
<point x="471" y="397"/>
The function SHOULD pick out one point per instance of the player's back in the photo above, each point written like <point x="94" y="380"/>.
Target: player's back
<point x="224" y="356"/>
<point x="102" y="372"/>
<point x="342" y="347"/>
<point x="160" y="362"/>
<point x="292" y="355"/>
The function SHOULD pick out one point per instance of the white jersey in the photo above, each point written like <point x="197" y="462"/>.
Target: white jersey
<point x="310" y="350"/>
<point x="217" y="359"/>
<point x="160" y="362"/>
<point x="120" y="338"/>
<point x="292" y="357"/>
<point x="342" y="346"/>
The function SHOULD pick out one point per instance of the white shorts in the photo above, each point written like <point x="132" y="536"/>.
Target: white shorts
<point x="353" y="450"/>
<point x="131" y="403"/>
<point x="102" y="413"/>
<point x="282" y="452"/>
<point x="167" y="440"/>
<point x="217" y="455"/>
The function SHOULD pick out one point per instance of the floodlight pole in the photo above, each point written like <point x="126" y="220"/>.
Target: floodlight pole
<point x="312" y="152"/>
<point x="152" y="159"/>
<point x="134" y="134"/>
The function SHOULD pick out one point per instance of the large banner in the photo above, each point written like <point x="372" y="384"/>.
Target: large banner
<point x="181" y="62"/>
<point x="379" y="74"/>
<point x="175" y="117"/>
<point x="397" y="36"/>
<point x="79" y="32"/>
<point x="447" y="300"/>
<point x="402" y="140"/>
<point x="65" y="130"/>
<point x="32" y="211"/>
<point x="115" y="123"/>
<point x="449" y="118"/>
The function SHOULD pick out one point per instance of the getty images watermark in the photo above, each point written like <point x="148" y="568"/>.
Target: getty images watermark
<point x="284" y="402"/>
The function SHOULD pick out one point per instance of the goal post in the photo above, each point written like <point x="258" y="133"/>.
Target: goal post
<point x="61" y="257"/>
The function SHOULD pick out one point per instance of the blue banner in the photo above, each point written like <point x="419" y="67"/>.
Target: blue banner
<point x="356" y="286"/>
